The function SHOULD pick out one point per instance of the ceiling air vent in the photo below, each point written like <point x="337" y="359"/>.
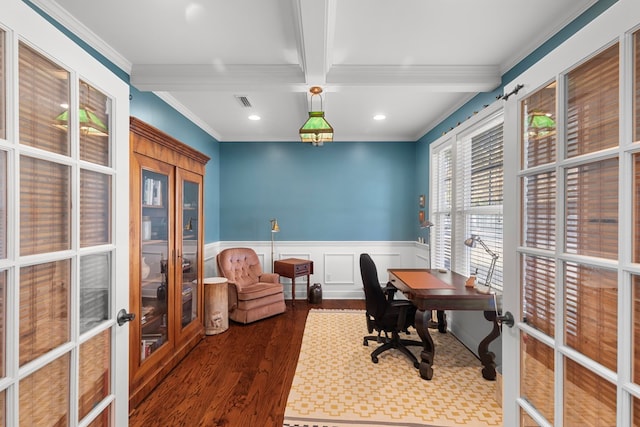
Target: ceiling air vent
<point x="244" y="101"/>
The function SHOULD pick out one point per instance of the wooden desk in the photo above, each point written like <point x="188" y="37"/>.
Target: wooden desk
<point x="292" y="268"/>
<point x="429" y="289"/>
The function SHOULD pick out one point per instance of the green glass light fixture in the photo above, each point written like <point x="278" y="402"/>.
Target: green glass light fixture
<point x="540" y="124"/>
<point x="90" y="123"/>
<point x="316" y="129"/>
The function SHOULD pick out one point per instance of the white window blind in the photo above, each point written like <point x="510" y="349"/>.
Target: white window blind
<point x="467" y="200"/>
<point x="441" y="207"/>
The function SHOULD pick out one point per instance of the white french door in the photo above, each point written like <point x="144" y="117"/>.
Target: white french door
<point x="64" y="122"/>
<point x="572" y="231"/>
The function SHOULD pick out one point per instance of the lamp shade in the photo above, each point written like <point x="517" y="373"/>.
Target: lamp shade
<point x="90" y="123"/>
<point x="316" y="129"/>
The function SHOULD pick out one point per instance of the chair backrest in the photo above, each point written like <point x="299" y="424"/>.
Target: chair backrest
<point x="240" y="265"/>
<point x="375" y="299"/>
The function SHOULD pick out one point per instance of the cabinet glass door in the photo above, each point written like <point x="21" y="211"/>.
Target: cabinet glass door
<point x="190" y="233"/>
<point x="154" y="274"/>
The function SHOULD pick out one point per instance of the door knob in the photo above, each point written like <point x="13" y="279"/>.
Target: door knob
<point x="506" y="319"/>
<point x="124" y="317"/>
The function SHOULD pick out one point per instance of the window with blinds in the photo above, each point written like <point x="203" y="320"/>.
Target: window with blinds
<point x="479" y="198"/>
<point x="467" y="197"/>
<point x="441" y="207"/>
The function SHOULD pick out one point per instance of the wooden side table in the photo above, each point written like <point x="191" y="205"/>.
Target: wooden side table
<point x="292" y="268"/>
<point x="216" y="305"/>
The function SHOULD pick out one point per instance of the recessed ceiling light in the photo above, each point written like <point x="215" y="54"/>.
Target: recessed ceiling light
<point x="379" y="117"/>
<point x="254" y="117"/>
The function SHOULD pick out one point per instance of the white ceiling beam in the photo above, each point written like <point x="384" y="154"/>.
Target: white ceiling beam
<point x="167" y="77"/>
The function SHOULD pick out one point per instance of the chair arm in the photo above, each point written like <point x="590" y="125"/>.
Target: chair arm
<point x="389" y="290"/>
<point x="232" y="296"/>
<point x="269" y="277"/>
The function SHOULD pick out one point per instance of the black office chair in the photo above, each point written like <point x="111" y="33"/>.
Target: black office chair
<point x="384" y="314"/>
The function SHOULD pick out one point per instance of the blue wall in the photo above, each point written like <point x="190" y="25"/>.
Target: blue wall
<point x="341" y="191"/>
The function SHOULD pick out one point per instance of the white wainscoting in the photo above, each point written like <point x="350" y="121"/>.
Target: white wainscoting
<point x="336" y="265"/>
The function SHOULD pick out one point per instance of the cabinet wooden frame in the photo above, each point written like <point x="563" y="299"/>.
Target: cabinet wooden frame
<point x="153" y="151"/>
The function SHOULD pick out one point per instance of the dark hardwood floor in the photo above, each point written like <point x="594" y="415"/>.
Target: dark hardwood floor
<point x="240" y="378"/>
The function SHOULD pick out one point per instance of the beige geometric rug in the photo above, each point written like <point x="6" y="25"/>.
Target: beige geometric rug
<point x="336" y="384"/>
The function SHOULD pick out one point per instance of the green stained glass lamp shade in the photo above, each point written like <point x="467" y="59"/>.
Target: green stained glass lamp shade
<point x="540" y="124"/>
<point x="316" y="129"/>
<point x="90" y="124"/>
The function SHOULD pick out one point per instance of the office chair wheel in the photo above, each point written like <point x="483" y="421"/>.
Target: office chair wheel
<point x="374" y="359"/>
<point x="416" y="365"/>
<point x="365" y="342"/>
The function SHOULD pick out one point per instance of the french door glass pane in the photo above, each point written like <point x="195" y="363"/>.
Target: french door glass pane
<point x="44" y="102"/>
<point x="636" y="329"/>
<point x="539" y="293"/>
<point x="44" y="308"/>
<point x="94" y="113"/>
<point x="3" y="321"/>
<point x="44" y="395"/>
<point x="539" y="127"/>
<point x="95" y="372"/>
<point x="591" y="312"/>
<point x="102" y="420"/>
<point x="592" y="209"/>
<point x="636" y="209"/>
<point x="154" y="266"/>
<point x="95" y="277"/>
<point x="592" y="104"/>
<point x="95" y="208"/>
<point x="539" y="213"/>
<point x="636" y="86"/>
<point x="3" y="97"/>
<point x="3" y="204"/>
<point x="589" y="400"/>
<point x="536" y="375"/>
<point x="45" y="206"/>
<point x="190" y="232"/>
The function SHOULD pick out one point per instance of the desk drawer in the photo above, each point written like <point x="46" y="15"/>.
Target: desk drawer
<point x="302" y="269"/>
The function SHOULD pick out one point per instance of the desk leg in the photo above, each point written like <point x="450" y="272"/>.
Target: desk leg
<point x="426" y="356"/>
<point x="293" y="291"/>
<point x="488" y="358"/>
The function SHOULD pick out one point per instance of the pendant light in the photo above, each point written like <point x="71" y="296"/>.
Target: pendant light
<point x="316" y="129"/>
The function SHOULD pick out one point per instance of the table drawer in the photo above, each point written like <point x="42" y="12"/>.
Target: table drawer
<point x="302" y="269"/>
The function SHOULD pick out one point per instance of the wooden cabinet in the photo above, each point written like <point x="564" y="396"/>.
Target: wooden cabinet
<point x="166" y="286"/>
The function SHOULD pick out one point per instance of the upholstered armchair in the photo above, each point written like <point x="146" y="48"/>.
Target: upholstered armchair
<point x="253" y="295"/>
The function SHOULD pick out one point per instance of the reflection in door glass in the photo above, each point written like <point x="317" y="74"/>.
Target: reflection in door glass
<point x="190" y="231"/>
<point x="154" y="272"/>
<point x="95" y="277"/>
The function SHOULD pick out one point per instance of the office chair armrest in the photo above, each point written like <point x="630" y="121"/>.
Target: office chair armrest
<point x="389" y="290"/>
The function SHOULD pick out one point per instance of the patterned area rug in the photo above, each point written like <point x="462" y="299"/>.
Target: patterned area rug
<point x="337" y="385"/>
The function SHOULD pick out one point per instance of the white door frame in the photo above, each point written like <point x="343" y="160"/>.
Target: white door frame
<point x="613" y="24"/>
<point x="23" y="23"/>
